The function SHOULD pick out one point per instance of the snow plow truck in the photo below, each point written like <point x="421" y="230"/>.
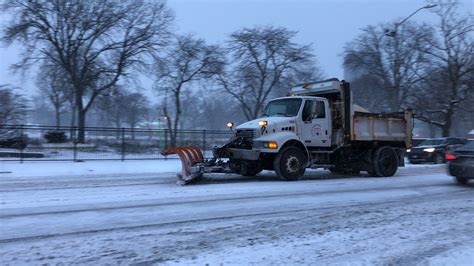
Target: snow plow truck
<point x="318" y="126"/>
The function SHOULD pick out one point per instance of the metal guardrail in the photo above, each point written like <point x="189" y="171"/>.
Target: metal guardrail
<point x="28" y="143"/>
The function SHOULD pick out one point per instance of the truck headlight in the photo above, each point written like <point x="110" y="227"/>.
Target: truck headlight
<point x="429" y="149"/>
<point x="270" y="145"/>
<point x="263" y="123"/>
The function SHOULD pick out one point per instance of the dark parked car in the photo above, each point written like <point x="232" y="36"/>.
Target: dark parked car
<point x="434" y="150"/>
<point x="461" y="162"/>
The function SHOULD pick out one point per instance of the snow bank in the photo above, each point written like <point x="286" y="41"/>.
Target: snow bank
<point x="41" y="169"/>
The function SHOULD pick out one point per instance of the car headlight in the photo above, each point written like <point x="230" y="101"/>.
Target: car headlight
<point x="429" y="149"/>
<point x="408" y="150"/>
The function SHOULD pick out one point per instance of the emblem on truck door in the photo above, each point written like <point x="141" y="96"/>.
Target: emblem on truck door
<point x="316" y="130"/>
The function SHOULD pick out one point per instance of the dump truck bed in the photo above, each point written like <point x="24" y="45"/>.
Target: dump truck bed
<point x="394" y="127"/>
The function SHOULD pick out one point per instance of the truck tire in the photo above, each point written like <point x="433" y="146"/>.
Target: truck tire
<point x="290" y="164"/>
<point x="384" y="162"/>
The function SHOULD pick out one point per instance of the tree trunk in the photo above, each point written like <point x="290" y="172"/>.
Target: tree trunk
<point x="172" y="137"/>
<point x="58" y="118"/>
<point x="168" y="122"/>
<point x="81" y="123"/>
<point x="448" y="123"/>
<point x="175" y="132"/>
<point x="118" y="133"/>
<point x="81" y="118"/>
<point x="176" y="118"/>
<point x="432" y="131"/>
<point x="132" y="131"/>
<point x="73" y="121"/>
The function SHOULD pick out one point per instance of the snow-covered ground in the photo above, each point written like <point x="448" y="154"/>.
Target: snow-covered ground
<point x="132" y="212"/>
<point x="67" y="170"/>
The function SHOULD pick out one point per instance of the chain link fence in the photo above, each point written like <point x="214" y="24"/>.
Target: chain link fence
<point x="48" y="143"/>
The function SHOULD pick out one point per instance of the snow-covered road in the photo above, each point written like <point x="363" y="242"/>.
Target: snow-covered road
<point x="418" y="216"/>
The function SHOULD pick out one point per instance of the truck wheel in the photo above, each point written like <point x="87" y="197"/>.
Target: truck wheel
<point x="385" y="161"/>
<point x="290" y="164"/>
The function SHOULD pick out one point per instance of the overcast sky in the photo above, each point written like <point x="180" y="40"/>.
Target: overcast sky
<point x="325" y="24"/>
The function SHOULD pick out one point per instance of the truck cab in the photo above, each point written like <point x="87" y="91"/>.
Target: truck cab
<point x="307" y="119"/>
<point x="317" y="126"/>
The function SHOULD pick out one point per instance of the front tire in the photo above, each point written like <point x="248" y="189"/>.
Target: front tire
<point x="290" y="164"/>
<point x="385" y="161"/>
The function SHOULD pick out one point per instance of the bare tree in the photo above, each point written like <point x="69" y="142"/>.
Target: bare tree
<point x="263" y="60"/>
<point x="189" y="60"/>
<point x="137" y="107"/>
<point x="53" y="84"/>
<point x="111" y="107"/>
<point x="451" y="67"/>
<point x="13" y="106"/>
<point x="95" y="42"/>
<point x="395" y="63"/>
<point x="122" y="107"/>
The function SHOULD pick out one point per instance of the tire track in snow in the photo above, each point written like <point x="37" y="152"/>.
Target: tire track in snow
<point x="213" y="199"/>
<point x="151" y="179"/>
<point x="410" y="199"/>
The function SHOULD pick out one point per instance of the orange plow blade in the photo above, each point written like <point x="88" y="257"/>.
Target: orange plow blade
<point x="193" y="163"/>
<point x="190" y="158"/>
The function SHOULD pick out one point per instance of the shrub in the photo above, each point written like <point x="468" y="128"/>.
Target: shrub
<point x="55" y="136"/>
<point x="14" y="142"/>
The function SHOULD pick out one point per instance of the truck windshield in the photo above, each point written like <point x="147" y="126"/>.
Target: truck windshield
<point x="283" y="107"/>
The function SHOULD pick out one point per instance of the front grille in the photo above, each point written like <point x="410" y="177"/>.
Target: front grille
<point x="244" y="138"/>
<point x="246" y="133"/>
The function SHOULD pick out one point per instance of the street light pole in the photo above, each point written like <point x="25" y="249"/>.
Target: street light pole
<point x="393" y="33"/>
<point x="397" y="57"/>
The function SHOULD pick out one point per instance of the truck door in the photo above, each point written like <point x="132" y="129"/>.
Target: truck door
<point x="316" y="128"/>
